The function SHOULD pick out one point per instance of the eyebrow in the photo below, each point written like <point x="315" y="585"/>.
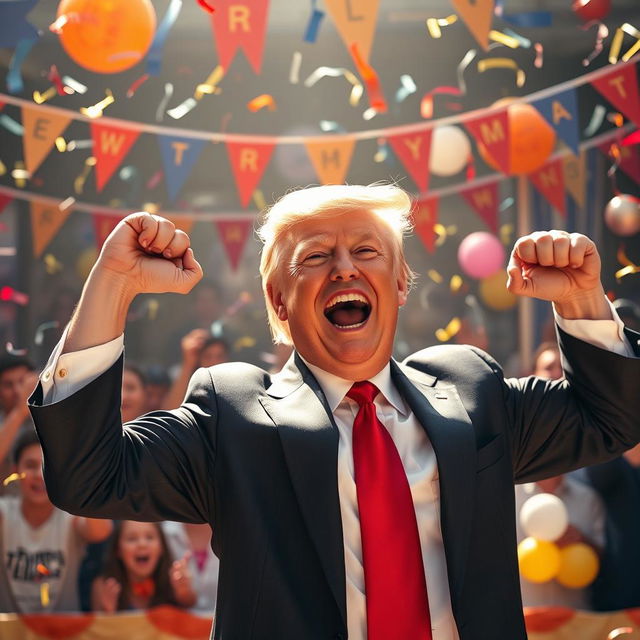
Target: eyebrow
<point x="363" y="235"/>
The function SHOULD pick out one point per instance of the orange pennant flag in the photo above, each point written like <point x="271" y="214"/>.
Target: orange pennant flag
<point x="46" y="221"/>
<point x="233" y="235"/>
<point x="484" y="201"/>
<point x="110" y="146"/>
<point x="477" y="15"/>
<point x="425" y="218"/>
<point x="331" y="158"/>
<point x="184" y="223"/>
<point x="575" y="176"/>
<point x="103" y="225"/>
<point x="413" y="149"/>
<point x="549" y="181"/>
<point x="355" y="21"/>
<point x="41" y="128"/>
<point x="248" y="162"/>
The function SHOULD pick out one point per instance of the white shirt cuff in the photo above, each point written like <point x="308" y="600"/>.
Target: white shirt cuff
<point x="67" y="373"/>
<point x="605" y="334"/>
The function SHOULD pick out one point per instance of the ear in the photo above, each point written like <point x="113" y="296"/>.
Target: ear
<point x="403" y="290"/>
<point x="277" y="302"/>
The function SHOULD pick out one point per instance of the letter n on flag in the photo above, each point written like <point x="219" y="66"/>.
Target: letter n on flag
<point x="484" y="201"/>
<point x="331" y="158"/>
<point x="425" y="218"/>
<point x="492" y="132"/>
<point x="413" y="150"/>
<point x="103" y="225"/>
<point x="110" y="146"/>
<point x="620" y="88"/>
<point x="248" y="162"/>
<point x="233" y="235"/>
<point x="240" y="24"/>
<point x="46" y="221"/>
<point x="549" y="181"/>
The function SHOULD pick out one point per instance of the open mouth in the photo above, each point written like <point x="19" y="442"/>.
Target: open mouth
<point x="347" y="310"/>
<point x="141" y="559"/>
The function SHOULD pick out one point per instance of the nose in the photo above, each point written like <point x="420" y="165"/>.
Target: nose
<point x="343" y="267"/>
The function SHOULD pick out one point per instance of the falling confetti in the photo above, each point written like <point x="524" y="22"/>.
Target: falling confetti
<point x="210" y="85"/>
<point x="182" y="109"/>
<point x="168" y="93"/>
<point x="78" y="87"/>
<point x="78" y="183"/>
<point x="450" y="330"/>
<point x="503" y="63"/>
<point x="294" y="70"/>
<point x="14" y="477"/>
<point x="207" y="7"/>
<point x="435" y="276"/>
<point x="434" y="24"/>
<point x="602" y="32"/>
<point x="262" y="101"/>
<point x="136" y="84"/>
<point x="334" y="72"/>
<point x="407" y="87"/>
<point x="96" y="110"/>
<point x="41" y="98"/>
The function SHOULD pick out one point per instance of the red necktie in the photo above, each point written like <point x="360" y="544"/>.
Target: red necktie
<point x="395" y="587"/>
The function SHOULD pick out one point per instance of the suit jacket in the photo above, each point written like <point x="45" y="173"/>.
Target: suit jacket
<point x="256" y="457"/>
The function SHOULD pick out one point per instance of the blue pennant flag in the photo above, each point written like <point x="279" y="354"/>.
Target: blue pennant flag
<point x="178" y="156"/>
<point x="13" y="22"/>
<point x="561" y="112"/>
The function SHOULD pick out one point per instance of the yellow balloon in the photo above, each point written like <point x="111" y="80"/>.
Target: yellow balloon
<point x="539" y="560"/>
<point x="494" y="293"/>
<point x="579" y="566"/>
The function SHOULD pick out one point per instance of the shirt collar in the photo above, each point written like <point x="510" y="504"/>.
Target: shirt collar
<point x="336" y="388"/>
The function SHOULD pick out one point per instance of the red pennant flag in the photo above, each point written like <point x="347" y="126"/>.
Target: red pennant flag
<point x="110" y="146"/>
<point x="549" y="181"/>
<point x="4" y="201"/>
<point x="103" y="225"/>
<point x="492" y="132"/>
<point x="248" y="162"/>
<point x="629" y="159"/>
<point x="425" y="218"/>
<point x="484" y="201"/>
<point x="620" y="88"/>
<point x="414" y="149"/>
<point x="240" y="24"/>
<point x="234" y="234"/>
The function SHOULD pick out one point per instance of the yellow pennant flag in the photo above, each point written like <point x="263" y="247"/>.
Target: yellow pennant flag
<point x="46" y="221"/>
<point x="575" y="176"/>
<point x="331" y="158"/>
<point x="355" y="21"/>
<point x="477" y="16"/>
<point x="41" y="128"/>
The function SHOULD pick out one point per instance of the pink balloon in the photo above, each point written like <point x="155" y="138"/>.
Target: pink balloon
<point x="481" y="254"/>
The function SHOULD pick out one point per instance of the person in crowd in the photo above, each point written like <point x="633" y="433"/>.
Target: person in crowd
<point x="139" y="572"/>
<point x="41" y="545"/>
<point x="157" y="386"/>
<point x="349" y="495"/>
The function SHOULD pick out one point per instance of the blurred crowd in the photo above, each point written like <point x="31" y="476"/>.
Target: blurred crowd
<point x="53" y="561"/>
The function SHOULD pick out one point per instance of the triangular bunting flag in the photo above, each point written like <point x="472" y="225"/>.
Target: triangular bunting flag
<point x="46" y="221"/>
<point x="110" y="146"/>
<point x="477" y="15"/>
<point x="620" y="88"/>
<point x="41" y="128"/>
<point x="233" y="235"/>
<point x="629" y="159"/>
<point x="484" y="201"/>
<point x="248" y="162"/>
<point x="561" y="112"/>
<point x="492" y="132"/>
<point x="425" y="218"/>
<point x="178" y="157"/>
<point x="549" y="181"/>
<point x="331" y="158"/>
<point x="575" y="176"/>
<point x="184" y="223"/>
<point x="240" y="24"/>
<point x="355" y="21"/>
<point x="4" y="201"/>
<point x="103" y="225"/>
<point x="413" y="150"/>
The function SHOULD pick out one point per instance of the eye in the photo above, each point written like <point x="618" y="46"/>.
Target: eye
<point x="316" y="256"/>
<point x="366" y="251"/>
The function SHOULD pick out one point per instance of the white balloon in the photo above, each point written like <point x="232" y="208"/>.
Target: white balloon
<point x="450" y="150"/>
<point x="544" y="516"/>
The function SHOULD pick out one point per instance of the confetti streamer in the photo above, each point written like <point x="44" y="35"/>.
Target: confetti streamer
<point x="313" y="26"/>
<point x="209" y="86"/>
<point x="505" y="39"/>
<point x="331" y="126"/>
<point x="154" y="57"/>
<point x="524" y="42"/>
<point x="61" y="144"/>
<point x="435" y="276"/>
<point x="11" y="125"/>
<point x="539" y="61"/>
<point x="15" y="83"/>
<point x="260" y="102"/>
<point x="42" y="569"/>
<point x="44" y="594"/>
<point x="462" y="67"/>
<point x="455" y="283"/>
<point x="434" y="24"/>
<point x="72" y="145"/>
<point x="370" y="113"/>
<point x="602" y="32"/>
<point x="258" y="199"/>
<point x="294" y="71"/>
<point x="168" y="93"/>
<point x="506" y="203"/>
<point x="54" y="76"/>
<point x="136" y="84"/>
<point x="245" y="342"/>
<point x="40" y="98"/>
<point x="370" y="79"/>
<point x="95" y="111"/>
<point x="629" y="267"/>
<point x="20" y="174"/>
<point x="450" y="330"/>
<point x="620" y="631"/>
<point x="503" y="63"/>
<point x="426" y="104"/>
<point x="3" y="169"/>
<point x="52" y="266"/>
<point x="154" y="180"/>
<point x="78" y="183"/>
<point x="443" y="233"/>
<point x="207" y="7"/>
<point x="596" y="120"/>
<point x="407" y="87"/>
<point x="66" y="204"/>
<point x="78" y="87"/>
<point x="335" y="72"/>
<point x="383" y="151"/>
<point x="14" y="477"/>
<point x="182" y="109"/>
<point x="9" y="294"/>
<point x="616" y="43"/>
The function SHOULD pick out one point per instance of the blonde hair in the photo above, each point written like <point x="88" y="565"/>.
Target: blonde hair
<point x="390" y="203"/>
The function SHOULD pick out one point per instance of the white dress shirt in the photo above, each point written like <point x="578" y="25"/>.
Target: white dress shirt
<point x="66" y="373"/>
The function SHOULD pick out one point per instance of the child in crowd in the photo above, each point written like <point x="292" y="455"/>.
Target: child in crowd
<point x="139" y="572"/>
<point x="41" y="545"/>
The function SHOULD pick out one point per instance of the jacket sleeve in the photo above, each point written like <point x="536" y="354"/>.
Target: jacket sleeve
<point x="157" y="467"/>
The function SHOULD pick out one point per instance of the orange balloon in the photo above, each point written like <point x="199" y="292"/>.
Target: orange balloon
<point x="107" y="36"/>
<point x="531" y="139"/>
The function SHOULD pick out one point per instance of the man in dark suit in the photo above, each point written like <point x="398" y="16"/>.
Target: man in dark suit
<point x="349" y="495"/>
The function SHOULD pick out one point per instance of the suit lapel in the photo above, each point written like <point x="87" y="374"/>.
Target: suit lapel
<point x="440" y="411"/>
<point x="309" y="439"/>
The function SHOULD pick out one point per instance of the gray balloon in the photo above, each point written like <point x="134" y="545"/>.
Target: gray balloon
<point x="622" y="215"/>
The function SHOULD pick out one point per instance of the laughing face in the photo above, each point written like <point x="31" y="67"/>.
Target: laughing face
<point x="139" y="548"/>
<point x="32" y="486"/>
<point x="339" y="286"/>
